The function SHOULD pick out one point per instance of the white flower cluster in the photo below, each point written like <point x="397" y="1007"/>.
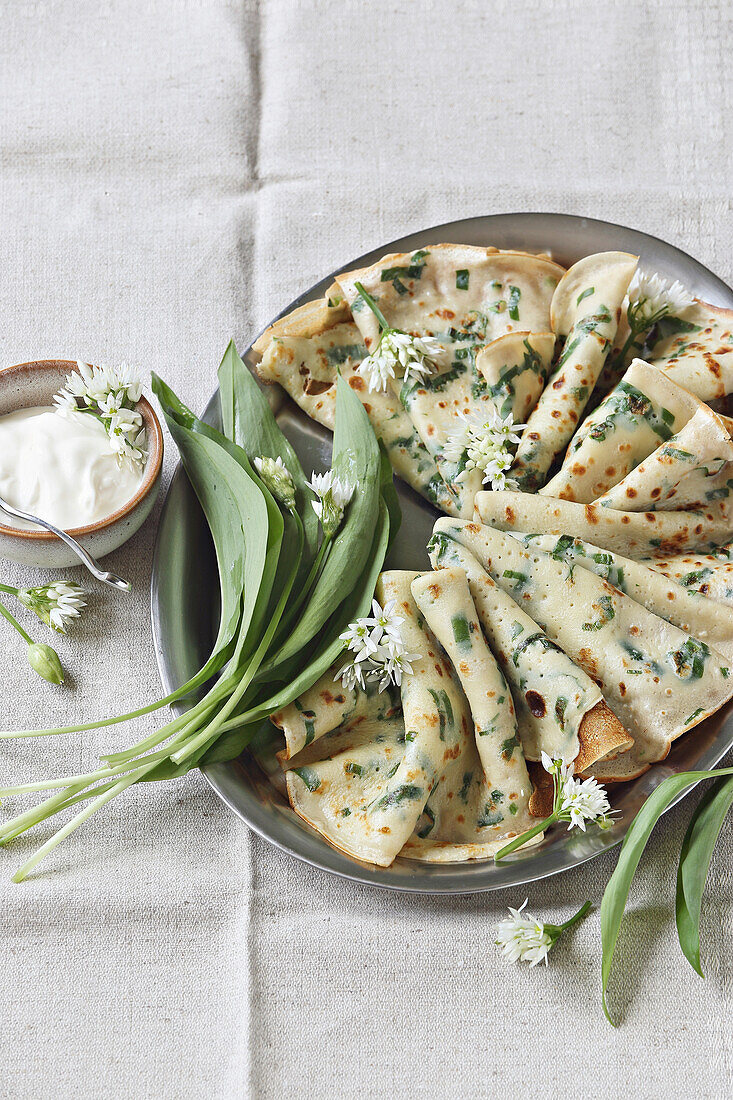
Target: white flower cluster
<point x="378" y="648"/>
<point x="400" y="355"/>
<point x="278" y="479"/>
<point x="333" y="495"/>
<point x="651" y="297"/>
<point x="109" y="394"/>
<point x="577" y="800"/>
<point x="55" y="604"/>
<point x="482" y="440"/>
<point x="523" y="938"/>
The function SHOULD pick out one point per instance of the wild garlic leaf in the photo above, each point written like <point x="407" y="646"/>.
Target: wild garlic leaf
<point x="355" y="459"/>
<point x="697" y="852"/>
<point x="249" y="421"/>
<point x="617" y="891"/>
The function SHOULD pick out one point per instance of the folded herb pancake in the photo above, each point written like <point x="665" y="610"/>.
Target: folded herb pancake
<point x="707" y="619"/>
<point x="446" y="604"/>
<point x="645" y="411"/>
<point x="560" y="710"/>
<point x="586" y="308"/>
<point x="515" y="367"/>
<point x="658" y="680"/>
<point x="384" y="807"/>
<point x="465" y="297"/>
<point x="305" y="361"/>
<point x="637" y="535"/>
<point x="696" y="349"/>
<point x="710" y="574"/>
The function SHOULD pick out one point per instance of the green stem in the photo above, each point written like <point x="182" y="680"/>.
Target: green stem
<point x="373" y="306"/>
<point x="14" y="622"/>
<point x="585" y="908"/>
<point x="70" y="826"/>
<point x="9" y="589"/>
<point x="518" y="841"/>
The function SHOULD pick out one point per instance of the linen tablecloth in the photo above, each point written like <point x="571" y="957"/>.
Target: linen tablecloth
<point x="172" y="174"/>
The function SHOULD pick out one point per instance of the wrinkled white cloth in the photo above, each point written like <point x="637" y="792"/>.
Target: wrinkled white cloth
<point x="172" y="174"/>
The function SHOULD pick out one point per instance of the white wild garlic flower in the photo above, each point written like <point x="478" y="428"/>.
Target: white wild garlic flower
<point x="55" y="604"/>
<point x="652" y="297"/>
<point x="577" y="801"/>
<point x="109" y="394"/>
<point x="482" y="442"/>
<point x="378" y="648"/>
<point x="278" y="480"/>
<point x="523" y="938"/>
<point x="333" y="495"/>
<point x="399" y="355"/>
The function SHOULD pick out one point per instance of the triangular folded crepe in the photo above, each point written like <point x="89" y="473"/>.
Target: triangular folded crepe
<point x="585" y="308"/>
<point x="446" y="604"/>
<point x="560" y="710"/>
<point x="466" y="297"/>
<point x="709" y="575"/>
<point x="384" y="808"/>
<point x="307" y="366"/>
<point x="696" y="349"/>
<point x="692" y="469"/>
<point x="705" y="618"/>
<point x="645" y="411"/>
<point x="657" y="679"/>
<point x="515" y="367"/>
<point x="635" y="534"/>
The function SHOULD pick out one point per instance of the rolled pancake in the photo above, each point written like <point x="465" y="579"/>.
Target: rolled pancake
<point x="307" y="366"/>
<point x="445" y="601"/>
<point x="326" y="705"/>
<point x="709" y="575"/>
<point x="657" y="679"/>
<point x="560" y="710"/>
<point x="645" y="409"/>
<point x="466" y="297"/>
<point x="515" y="367"/>
<point x="586" y="308"/>
<point x="689" y="610"/>
<point x="696" y="349"/>
<point x="637" y="535"/>
<point x="694" y="468"/>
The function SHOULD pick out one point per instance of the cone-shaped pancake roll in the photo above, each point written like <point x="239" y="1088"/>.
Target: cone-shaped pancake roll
<point x="696" y="350"/>
<point x="694" y="468"/>
<point x="658" y="680"/>
<point x="515" y="368"/>
<point x="634" y="534"/>
<point x="560" y="710"/>
<point x="643" y="413"/>
<point x="445" y="601"/>
<point x="709" y="575"/>
<point x="705" y="618"/>
<point x="586" y="309"/>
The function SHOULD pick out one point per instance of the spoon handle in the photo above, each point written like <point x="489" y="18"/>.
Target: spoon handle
<point x="101" y="574"/>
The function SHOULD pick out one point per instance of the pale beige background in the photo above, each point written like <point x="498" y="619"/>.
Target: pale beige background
<point x="172" y="174"/>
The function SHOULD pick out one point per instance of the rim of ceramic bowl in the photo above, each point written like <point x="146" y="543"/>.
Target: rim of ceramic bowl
<point x="152" y="467"/>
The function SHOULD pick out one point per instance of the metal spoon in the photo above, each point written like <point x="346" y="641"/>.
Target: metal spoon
<point x="101" y="574"/>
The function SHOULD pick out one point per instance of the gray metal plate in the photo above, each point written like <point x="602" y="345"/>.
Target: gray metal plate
<point x="184" y="590"/>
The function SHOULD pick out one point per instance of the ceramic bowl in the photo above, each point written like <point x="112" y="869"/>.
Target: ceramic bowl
<point x="29" y="384"/>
